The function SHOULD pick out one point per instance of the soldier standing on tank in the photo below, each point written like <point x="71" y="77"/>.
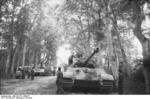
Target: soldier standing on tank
<point x="59" y="81"/>
<point x="70" y="61"/>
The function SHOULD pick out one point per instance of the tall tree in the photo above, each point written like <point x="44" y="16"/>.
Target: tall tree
<point x="132" y="11"/>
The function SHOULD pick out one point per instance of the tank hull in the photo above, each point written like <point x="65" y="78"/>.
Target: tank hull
<point x="79" y="85"/>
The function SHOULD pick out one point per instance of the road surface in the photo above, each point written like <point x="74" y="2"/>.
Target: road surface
<point x="39" y="86"/>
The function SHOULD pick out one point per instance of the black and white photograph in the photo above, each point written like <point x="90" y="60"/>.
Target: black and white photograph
<point x="74" y="47"/>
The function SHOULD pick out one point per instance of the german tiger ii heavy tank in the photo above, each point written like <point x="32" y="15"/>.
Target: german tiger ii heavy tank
<point x="87" y="77"/>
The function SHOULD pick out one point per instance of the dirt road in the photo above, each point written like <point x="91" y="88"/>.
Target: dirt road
<point x="39" y="86"/>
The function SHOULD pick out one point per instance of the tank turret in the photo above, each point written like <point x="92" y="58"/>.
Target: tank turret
<point x="86" y="62"/>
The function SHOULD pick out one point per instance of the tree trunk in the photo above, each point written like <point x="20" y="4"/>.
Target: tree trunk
<point x="146" y="71"/>
<point x="14" y="59"/>
<point x="125" y="62"/>
<point x="146" y="63"/>
<point x="35" y="58"/>
<point x="126" y="67"/>
<point x="109" y="26"/>
<point x="18" y="60"/>
<point x="116" y="66"/>
<point x="144" y="42"/>
<point x="8" y="60"/>
<point x="10" y="51"/>
<point x="10" y="42"/>
<point x="24" y="52"/>
<point x="32" y="59"/>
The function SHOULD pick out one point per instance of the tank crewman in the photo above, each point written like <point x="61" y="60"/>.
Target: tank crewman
<point x="59" y="82"/>
<point x="70" y="61"/>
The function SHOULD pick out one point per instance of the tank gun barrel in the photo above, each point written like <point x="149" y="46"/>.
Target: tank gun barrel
<point x="95" y="51"/>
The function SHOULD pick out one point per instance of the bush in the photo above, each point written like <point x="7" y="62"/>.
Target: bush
<point x="135" y="84"/>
